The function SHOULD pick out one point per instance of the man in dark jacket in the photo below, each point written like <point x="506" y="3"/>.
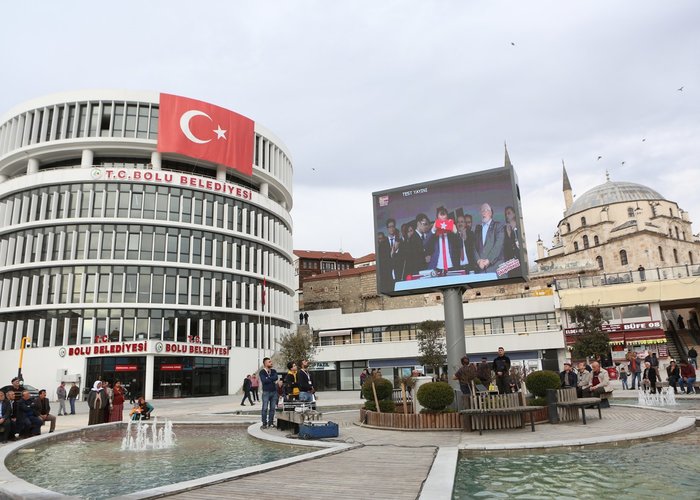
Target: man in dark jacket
<point x="43" y="410"/>
<point x="306" y="386"/>
<point x="28" y="420"/>
<point x="268" y="380"/>
<point x="501" y="365"/>
<point x="568" y="377"/>
<point x="73" y="393"/>
<point x="5" y="418"/>
<point x="247" y="384"/>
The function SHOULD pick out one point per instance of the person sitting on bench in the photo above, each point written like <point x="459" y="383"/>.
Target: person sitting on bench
<point x="599" y="383"/>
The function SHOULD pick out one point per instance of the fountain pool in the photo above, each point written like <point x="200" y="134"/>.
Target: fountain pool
<point x="626" y="472"/>
<point x="93" y="464"/>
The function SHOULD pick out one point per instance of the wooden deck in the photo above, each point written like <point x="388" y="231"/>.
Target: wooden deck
<point x="377" y="472"/>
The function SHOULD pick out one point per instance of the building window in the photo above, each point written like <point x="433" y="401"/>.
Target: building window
<point x="575" y="246"/>
<point x="568" y="227"/>
<point x="661" y="254"/>
<point x="599" y="260"/>
<point x="596" y="241"/>
<point x="675" y="256"/>
<point x="623" y="257"/>
<point x="678" y="236"/>
<point x="583" y="221"/>
<point x="670" y="233"/>
<point x="585" y="241"/>
<point x="670" y="211"/>
<point x="690" y="258"/>
<point x="630" y="212"/>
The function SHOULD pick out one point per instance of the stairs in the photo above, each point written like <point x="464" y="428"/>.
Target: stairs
<point x="675" y="349"/>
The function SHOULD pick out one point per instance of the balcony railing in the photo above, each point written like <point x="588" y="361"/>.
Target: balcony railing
<point x="642" y="276"/>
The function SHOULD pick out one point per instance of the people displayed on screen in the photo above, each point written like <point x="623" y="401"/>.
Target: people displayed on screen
<point x="489" y="236"/>
<point x="511" y="240"/>
<point x="386" y="281"/>
<point x="467" y="261"/>
<point x="395" y="254"/>
<point x="443" y="244"/>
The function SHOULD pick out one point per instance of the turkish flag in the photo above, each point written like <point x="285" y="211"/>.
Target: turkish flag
<point x="201" y="130"/>
<point x="444" y="226"/>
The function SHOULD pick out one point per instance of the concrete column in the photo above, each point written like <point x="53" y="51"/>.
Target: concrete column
<point x="32" y="166"/>
<point x="221" y="173"/>
<point x="87" y="159"/>
<point x="148" y="385"/>
<point x="264" y="188"/>
<point x="454" y="331"/>
<point x="156" y="160"/>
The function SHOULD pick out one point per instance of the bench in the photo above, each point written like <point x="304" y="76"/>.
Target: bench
<point x="491" y="412"/>
<point x="564" y="405"/>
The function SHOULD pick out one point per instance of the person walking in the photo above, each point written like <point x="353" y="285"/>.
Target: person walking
<point x="61" y="394"/>
<point x="72" y="395"/>
<point x="306" y="318"/>
<point x="268" y="379"/>
<point x="133" y="391"/>
<point x="363" y="376"/>
<point x="254" y="387"/>
<point x="301" y="318"/>
<point x="246" y="391"/>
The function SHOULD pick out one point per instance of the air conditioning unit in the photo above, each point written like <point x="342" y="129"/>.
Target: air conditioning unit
<point x="61" y="374"/>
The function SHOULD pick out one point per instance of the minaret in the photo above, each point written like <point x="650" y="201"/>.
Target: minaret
<point x="540" y="248"/>
<point x="568" y="195"/>
<point x="506" y="162"/>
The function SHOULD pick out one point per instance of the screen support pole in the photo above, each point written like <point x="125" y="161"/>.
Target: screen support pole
<point x="454" y="331"/>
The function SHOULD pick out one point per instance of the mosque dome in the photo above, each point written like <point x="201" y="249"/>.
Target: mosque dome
<point x="612" y="192"/>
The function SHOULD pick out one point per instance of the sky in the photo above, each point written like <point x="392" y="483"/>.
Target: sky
<point x="371" y="95"/>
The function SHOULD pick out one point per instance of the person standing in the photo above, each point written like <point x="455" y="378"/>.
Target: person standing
<point x="693" y="357"/>
<point x="681" y="323"/>
<point x="291" y="382"/>
<point x="501" y="365"/>
<point x="246" y="391"/>
<point x="301" y="318"/>
<point x="255" y="387"/>
<point x="110" y="393"/>
<point x="635" y="370"/>
<point x="306" y="318"/>
<point x="483" y="371"/>
<point x="72" y="395"/>
<point x="97" y="402"/>
<point x="43" y="410"/>
<point x="61" y="396"/>
<point x="306" y="386"/>
<point x="117" y="411"/>
<point x="363" y="377"/>
<point x="465" y="375"/>
<point x="268" y="379"/>
<point x="623" y="377"/>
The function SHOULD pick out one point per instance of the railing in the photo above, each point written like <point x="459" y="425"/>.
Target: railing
<point x="336" y="341"/>
<point x="640" y="276"/>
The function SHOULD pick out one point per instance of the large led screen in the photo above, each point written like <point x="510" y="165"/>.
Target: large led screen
<point x="460" y="231"/>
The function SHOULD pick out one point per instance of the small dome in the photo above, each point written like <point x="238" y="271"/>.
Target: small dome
<point x="612" y="192"/>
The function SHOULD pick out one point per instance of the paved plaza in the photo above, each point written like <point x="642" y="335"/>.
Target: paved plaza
<point x="395" y="464"/>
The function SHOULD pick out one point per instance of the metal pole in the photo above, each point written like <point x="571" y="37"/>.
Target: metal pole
<point x="454" y="331"/>
<point x="21" y="356"/>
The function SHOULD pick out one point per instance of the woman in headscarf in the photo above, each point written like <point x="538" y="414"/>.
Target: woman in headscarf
<point x="117" y="409"/>
<point x="97" y="401"/>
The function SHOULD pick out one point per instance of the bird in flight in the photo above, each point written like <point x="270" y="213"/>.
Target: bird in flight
<point x="644" y="139"/>
<point x="680" y="89"/>
<point x="623" y="163"/>
<point x="513" y="44"/>
<point x="599" y="158"/>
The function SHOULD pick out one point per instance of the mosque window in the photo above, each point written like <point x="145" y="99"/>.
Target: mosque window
<point x="690" y="258"/>
<point x="596" y="241"/>
<point x="675" y="256"/>
<point x="568" y="227"/>
<point x="670" y="211"/>
<point x="575" y="246"/>
<point x="630" y="212"/>
<point x="678" y="236"/>
<point x="599" y="260"/>
<point x="583" y="221"/>
<point x="623" y="257"/>
<point x="585" y="241"/>
<point x="661" y="254"/>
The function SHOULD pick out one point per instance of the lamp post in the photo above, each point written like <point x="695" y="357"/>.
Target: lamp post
<point x="21" y="355"/>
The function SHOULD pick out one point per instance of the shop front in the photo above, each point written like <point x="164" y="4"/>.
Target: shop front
<point x="185" y="376"/>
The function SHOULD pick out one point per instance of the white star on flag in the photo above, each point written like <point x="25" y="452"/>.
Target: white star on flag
<point x="220" y="133"/>
<point x="443" y="225"/>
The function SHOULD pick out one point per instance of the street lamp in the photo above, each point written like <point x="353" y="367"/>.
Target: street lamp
<point x="21" y="355"/>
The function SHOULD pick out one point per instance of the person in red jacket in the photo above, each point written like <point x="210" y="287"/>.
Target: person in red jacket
<point x="687" y="377"/>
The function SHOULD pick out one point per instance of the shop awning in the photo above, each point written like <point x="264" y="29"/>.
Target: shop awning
<point x="643" y="336"/>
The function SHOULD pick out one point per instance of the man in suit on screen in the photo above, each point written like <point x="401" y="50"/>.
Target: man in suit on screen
<point x="489" y="238"/>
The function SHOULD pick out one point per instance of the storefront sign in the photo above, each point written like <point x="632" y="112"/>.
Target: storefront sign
<point x="196" y="349"/>
<point x="126" y="368"/>
<point x="115" y="348"/>
<point x="171" y="368"/>
<point x="173" y="178"/>
<point x="323" y="365"/>
<point x="623" y="327"/>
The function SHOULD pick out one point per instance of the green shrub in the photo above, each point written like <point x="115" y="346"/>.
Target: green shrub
<point x="446" y="410"/>
<point x="537" y="402"/>
<point x="383" y="386"/>
<point x="435" y="395"/>
<point x="386" y="405"/>
<point x="538" y="382"/>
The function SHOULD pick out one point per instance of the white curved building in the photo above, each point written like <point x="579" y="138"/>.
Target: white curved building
<point x="123" y="262"/>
